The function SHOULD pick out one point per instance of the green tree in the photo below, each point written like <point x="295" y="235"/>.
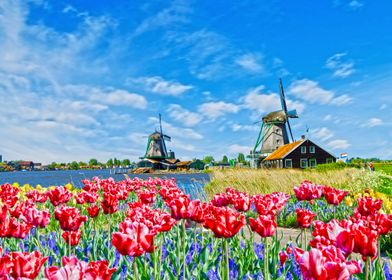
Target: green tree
<point x="241" y="158"/>
<point x="208" y="159"/>
<point x="110" y="162"/>
<point x="73" y="165"/>
<point x="225" y="159"/>
<point x="81" y="163"/>
<point x="52" y="166"/>
<point x="92" y="162"/>
<point x="126" y="162"/>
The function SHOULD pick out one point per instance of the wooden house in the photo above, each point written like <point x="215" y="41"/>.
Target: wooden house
<point x="299" y="154"/>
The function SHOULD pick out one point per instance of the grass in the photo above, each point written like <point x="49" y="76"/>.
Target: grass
<point x="384" y="167"/>
<point x="256" y="181"/>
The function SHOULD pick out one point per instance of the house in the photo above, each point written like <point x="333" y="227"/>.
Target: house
<point x="299" y="154"/>
<point x="197" y="164"/>
<point x="26" y="165"/>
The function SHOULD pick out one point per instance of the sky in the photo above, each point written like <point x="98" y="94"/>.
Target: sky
<point x="87" y="79"/>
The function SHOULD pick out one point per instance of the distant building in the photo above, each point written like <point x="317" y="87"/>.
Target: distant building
<point x="299" y="154"/>
<point x="38" y="166"/>
<point x="1" y="158"/>
<point x="197" y="164"/>
<point x="26" y="165"/>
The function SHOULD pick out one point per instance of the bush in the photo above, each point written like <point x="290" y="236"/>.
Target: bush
<point x="337" y="166"/>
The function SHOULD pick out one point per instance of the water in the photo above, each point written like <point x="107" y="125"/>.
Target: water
<point x="192" y="183"/>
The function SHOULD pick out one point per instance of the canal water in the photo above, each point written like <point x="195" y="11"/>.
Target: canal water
<point x="191" y="183"/>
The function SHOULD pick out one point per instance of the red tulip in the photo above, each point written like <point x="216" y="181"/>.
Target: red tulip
<point x="179" y="207"/>
<point x="328" y="263"/>
<point x="18" y="229"/>
<point x="365" y="240"/>
<point x="333" y="196"/>
<point x="86" y="197"/>
<point x="198" y="211"/>
<point x="59" y="195"/>
<point x="367" y="206"/>
<point x="73" y="269"/>
<point x="240" y="200"/>
<point x="146" y="196"/>
<point x="137" y="240"/>
<point x="221" y="200"/>
<point x="26" y="265"/>
<point x="308" y="191"/>
<point x="99" y="270"/>
<point x="36" y="196"/>
<point x="35" y="217"/>
<point x="265" y="226"/>
<point x="5" y="265"/>
<point x="224" y="221"/>
<point x="93" y="211"/>
<point x="8" y="195"/>
<point x="69" y="218"/>
<point x="109" y="204"/>
<point x="304" y="217"/>
<point x="283" y="257"/>
<point x="72" y="237"/>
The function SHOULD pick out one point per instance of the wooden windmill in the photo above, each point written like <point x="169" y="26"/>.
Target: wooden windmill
<point x="156" y="147"/>
<point x="275" y="131"/>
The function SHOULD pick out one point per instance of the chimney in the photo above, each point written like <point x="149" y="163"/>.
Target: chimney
<point x="303" y="137"/>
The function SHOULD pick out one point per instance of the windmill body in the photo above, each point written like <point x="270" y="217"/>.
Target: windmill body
<point x="156" y="146"/>
<point x="275" y="131"/>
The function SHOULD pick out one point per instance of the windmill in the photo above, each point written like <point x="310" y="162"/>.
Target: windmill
<point x="275" y="131"/>
<point x="156" y="146"/>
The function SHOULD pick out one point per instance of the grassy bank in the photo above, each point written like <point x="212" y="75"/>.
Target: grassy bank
<point x="256" y="181"/>
<point x="384" y="167"/>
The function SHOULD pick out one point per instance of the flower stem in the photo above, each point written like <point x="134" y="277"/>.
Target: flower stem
<point x="266" y="272"/>
<point x="306" y="243"/>
<point x="367" y="268"/>
<point x="184" y="248"/>
<point x="135" y="269"/>
<point x="226" y="248"/>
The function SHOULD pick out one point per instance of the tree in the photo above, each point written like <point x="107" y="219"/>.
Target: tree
<point x="93" y="162"/>
<point x="81" y="163"/>
<point x="74" y="165"/>
<point x="225" y="159"/>
<point x="126" y="162"/>
<point x="208" y="159"/>
<point x="109" y="162"/>
<point x="241" y="158"/>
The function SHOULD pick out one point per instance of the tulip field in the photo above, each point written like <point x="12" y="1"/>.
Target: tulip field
<point x="151" y="229"/>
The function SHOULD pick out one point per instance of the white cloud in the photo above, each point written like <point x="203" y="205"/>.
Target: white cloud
<point x="355" y="4"/>
<point x="241" y="127"/>
<point x="180" y="114"/>
<point x="214" y="110"/>
<point x="340" y="66"/>
<point x="177" y="13"/>
<point x="373" y="122"/>
<point x="322" y="133"/>
<point x="338" y="144"/>
<point x="265" y="103"/>
<point x="236" y="149"/>
<point x="174" y="131"/>
<point x="250" y="62"/>
<point x="159" y="85"/>
<point x="119" y="97"/>
<point x="311" y="92"/>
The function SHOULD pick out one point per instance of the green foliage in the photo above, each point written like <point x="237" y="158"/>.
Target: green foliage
<point x="73" y="165"/>
<point x="336" y="166"/>
<point x="241" y="158"/>
<point x="225" y="159"/>
<point x="93" y="162"/>
<point x="384" y="167"/>
<point x="126" y="162"/>
<point x="208" y="159"/>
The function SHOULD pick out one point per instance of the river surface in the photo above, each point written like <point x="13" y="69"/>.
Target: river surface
<point x="192" y="184"/>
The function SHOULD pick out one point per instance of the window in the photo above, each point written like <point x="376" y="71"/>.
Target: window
<point x="304" y="163"/>
<point x="312" y="163"/>
<point x="288" y="163"/>
<point x="277" y="141"/>
<point x="329" y="160"/>
<point x="312" y="149"/>
<point x="303" y="150"/>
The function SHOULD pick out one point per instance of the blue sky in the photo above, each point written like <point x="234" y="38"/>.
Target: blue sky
<point x="83" y="79"/>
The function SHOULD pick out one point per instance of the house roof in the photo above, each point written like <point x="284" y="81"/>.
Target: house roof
<point x="282" y="151"/>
